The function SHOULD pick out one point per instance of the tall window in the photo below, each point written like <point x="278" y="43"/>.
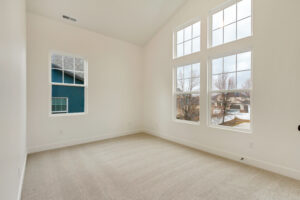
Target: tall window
<point x="68" y="84"/>
<point x="187" y="40"/>
<point x="230" y="91"/>
<point x="231" y="22"/>
<point x="187" y="92"/>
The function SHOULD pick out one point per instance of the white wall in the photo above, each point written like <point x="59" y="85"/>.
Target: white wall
<point x="114" y="91"/>
<point x="13" y="97"/>
<point x="276" y="70"/>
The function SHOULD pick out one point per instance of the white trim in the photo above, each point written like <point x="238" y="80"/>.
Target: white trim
<point x="77" y="141"/>
<point x="85" y="85"/>
<point x="174" y="93"/>
<point x="210" y="91"/>
<point x="182" y="27"/>
<point x="22" y="178"/>
<point x="269" y="166"/>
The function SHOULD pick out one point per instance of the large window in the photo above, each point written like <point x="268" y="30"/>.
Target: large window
<point x="187" y="40"/>
<point x="231" y="22"/>
<point x="68" y="84"/>
<point x="187" y="92"/>
<point x="230" y="91"/>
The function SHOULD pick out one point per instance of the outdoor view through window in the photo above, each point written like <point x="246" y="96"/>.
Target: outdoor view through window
<point x="230" y="91"/>
<point x="187" y="92"/>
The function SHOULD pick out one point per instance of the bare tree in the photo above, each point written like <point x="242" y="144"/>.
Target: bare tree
<point x="224" y="82"/>
<point x="191" y="85"/>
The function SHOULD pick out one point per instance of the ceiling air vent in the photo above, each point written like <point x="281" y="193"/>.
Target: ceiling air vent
<point x="69" y="18"/>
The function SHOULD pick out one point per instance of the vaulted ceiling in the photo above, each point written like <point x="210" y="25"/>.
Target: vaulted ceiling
<point x="135" y="21"/>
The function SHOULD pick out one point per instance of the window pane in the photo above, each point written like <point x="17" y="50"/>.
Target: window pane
<point x="187" y="107"/>
<point x="180" y="85"/>
<point x="79" y="64"/>
<point x="196" y="29"/>
<point x="64" y="108"/>
<point x="73" y="93"/>
<point x="229" y="63"/>
<point x="217" y="20"/>
<point x="56" y="76"/>
<point x="188" y="33"/>
<point x="63" y="101"/>
<point x="180" y="36"/>
<point x="244" y="80"/>
<point x="224" y="81"/>
<point x="196" y="45"/>
<point x="243" y="9"/>
<point x="79" y="78"/>
<point x="179" y="50"/>
<point x="230" y="80"/>
<point x="187" y="71"/>
<point x="187" y="85"/>
<point x="180" y="73"/>
<point x="196" y="70"/>
<point x="231" y="109"/>
<point x="187" y="47"/>
<point x="244" y="28"/>
<point x="217" y="66"/>
<point x="230" y="33"/>
<point x="68" y="63"/>
<point x="68" y="77"/>
<point x="217" y="37"/>
<point x="56" y="61"/>
<point x="230" y="14"/>
<point x="215" y="83"/>
<point x="195" y="85"/>
<point x="244" y="61"/>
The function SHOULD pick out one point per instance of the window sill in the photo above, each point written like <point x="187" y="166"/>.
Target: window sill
<point x="186" y="122"/>
<point x="67" y="114"/>
<point x="239" y="130"/>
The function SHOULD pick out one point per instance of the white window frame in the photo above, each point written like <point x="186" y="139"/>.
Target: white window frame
<point x="220" y="8"/>
<point x="210" y="91"/>
<point x="174" y="93"/>
<point x="85" y="85"/>
<point x="179" y="28"/>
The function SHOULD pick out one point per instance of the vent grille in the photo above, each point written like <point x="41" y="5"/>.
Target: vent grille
<point x="69" y="18"/>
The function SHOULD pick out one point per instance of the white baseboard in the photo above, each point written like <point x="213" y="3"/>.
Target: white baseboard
<point x="22" y="178"/>
<point x="77" y="141"/>
<point x="278" y="169"/>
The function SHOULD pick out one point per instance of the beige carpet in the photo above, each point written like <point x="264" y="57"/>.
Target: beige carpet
<point x="143" y="167"/>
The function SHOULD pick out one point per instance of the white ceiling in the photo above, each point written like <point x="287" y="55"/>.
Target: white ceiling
<point x="135" y="21"/>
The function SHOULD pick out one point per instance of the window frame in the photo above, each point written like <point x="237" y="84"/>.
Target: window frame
<point x="210" y="91"/>
<point x="220" y="8"/>
<point x="174" y="93"/>
<point x="50" y="83"/>
<point x="182" y="27"/>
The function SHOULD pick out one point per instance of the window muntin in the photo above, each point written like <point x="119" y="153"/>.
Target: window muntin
<point x="230" y="91"/>
<point x="187" y="40"/>
<point x="59" y="104"/>
<point x="68" y="84"/>
<point x="231" y="23"/>
<point x="187" y="92"/>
